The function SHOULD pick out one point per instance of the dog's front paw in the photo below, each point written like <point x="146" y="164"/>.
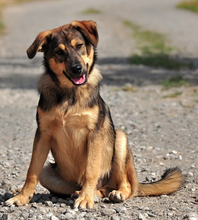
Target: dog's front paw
<point x="18" y="200"/>
<point x="84" y="202"/>
<point x="117" y="196"/>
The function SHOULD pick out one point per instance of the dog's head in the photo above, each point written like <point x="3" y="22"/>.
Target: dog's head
<point x="69" y="51"/>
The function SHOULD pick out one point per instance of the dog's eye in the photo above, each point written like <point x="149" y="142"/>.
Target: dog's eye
<point x="60" y="52"/>
<point x="78" y="46"/>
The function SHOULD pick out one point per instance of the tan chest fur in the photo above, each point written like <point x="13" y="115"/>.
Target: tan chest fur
<point x="68" y="133"/>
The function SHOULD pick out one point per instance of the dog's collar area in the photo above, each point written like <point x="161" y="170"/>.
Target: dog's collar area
<point x="79" y="80"/>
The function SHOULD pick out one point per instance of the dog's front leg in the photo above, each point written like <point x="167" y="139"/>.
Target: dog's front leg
<point x="92" y="172"/>
<point x="40" y="151"/>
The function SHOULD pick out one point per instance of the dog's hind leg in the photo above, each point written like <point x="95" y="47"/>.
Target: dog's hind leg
<point x="124" y="178"/>
<point x="50" y="179"/>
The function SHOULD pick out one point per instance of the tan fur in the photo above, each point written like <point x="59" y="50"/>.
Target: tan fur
<point x="75" y="124"/>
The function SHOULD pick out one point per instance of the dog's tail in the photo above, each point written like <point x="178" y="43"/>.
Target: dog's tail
<point x="170" y="182"/>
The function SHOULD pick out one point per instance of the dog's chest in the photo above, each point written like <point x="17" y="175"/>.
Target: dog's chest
<point x="68" y="133"/>
<point x="69" y="126"/>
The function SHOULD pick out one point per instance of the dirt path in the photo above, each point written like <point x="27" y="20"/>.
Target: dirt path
<point x="161" y="124"/>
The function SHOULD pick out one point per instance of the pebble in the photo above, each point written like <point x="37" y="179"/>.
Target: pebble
<point x="190" y="174"/>
<point x="141" y="217"/>
<point x="69" y="216"/>
<point x="40" y="217"/>
<point x="49" y="203"/>
<point x="121" y="209"/>
<point x="54" y="218"/>
<point x="49" y="214"/>
<point x="192" y="216"/>
<point x="174" y="152"/>
<point x="108" y="211"/>
<point x="115" y="217"/>
<point x="42" y="210"/>
<point x="62" y="217"/>
<point x="25" y="215"/>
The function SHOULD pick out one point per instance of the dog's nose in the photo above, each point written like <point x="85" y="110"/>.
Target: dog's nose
<point x="77" y="69"/>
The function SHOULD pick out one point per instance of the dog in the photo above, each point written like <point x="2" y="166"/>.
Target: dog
<point x="75" y="124"/>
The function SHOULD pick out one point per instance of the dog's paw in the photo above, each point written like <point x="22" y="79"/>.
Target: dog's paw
<point x="18" y="200"/>
<point x="117" y="196"/>
<point x="84" y="202"/>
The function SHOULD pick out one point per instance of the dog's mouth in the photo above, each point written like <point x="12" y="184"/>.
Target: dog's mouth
<point x="77" y="80"/>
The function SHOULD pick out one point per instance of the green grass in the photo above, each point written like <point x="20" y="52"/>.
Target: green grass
<point x="154" y="49"/>
<point x="173" y="95"/>
<point x="174" y="81"/>
<point x="91" y="11"/>
<point x="191" y="5"/>
<point x="1" y="27"/>
<point x="158" y="60"/>
<point x="129" y="88"/>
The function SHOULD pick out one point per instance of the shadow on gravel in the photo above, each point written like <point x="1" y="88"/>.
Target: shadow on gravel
<point x="18" y="81"/>
<point x="117" y="71"/>
<point x="47" y="199"/>
<point x="19" y="73"/>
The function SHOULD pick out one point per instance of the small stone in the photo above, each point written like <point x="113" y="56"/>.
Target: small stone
<point x="149" y="147"/>
<point x="62" y="217"/>
<point x="151" y="214"/>
<point x="40" y="217"/>
<point x="63" y="205"/>
<point x="49" y="203"/>
<point x="174" y="152"/>
<point x="53" y="218"/>
<point x="12" y="208"/>
<point x="6" y="164"/>
<point x="72" y="211"/>
<point x="171" y="214"/>
<point x="163" y="196"/>
<point x="69" y="216"/>
<point x="42" y="210"/>
<point x="121" y="209"/>
<point x="34" y="205"/>
<point x="115" y="217"/>
<point x="141" y="217"/>
<point x="49" y="214"/>
<point x="190" y="174"/>
<point x="25" y="215"/>
<point x="108" y="211"/>
<point x="192" y="216"/>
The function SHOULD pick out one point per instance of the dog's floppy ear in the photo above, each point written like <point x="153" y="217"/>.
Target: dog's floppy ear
<point x="38" y="43"/>
<point x="88" y="29"/>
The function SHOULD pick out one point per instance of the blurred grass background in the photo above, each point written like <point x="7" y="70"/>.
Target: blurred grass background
<point x="191" y="5"/>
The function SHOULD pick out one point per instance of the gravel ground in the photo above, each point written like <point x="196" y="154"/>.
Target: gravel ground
<point x="162" y="131"/>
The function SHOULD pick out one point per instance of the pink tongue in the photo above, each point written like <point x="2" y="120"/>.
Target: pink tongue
<point x="79" y="80"/>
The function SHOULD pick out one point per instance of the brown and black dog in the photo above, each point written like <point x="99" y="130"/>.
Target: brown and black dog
<point x="75" y="124"/>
